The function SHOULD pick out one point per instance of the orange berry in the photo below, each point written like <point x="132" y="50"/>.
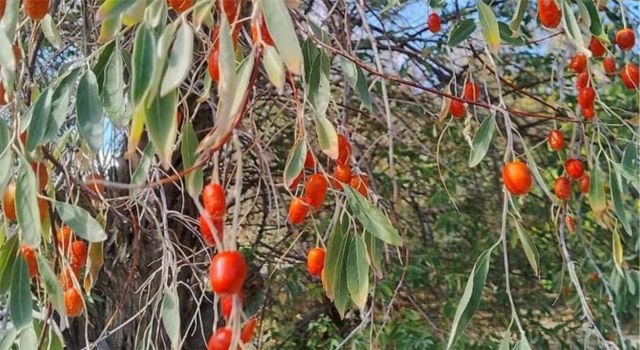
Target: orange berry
<point x="586" y="97"/>
<point x="588" y="113"/>
<point x="36" y="9"/>
<point x="625" y="39"/>
<point x="341" y="174"/>
<point x="596" y="47"/>
<point x="230" y="9"/>
<point x="214" y="70"/>
<point x="9" y="202"/>
<point x="227" y="272"/>
<point x="609" y="64"/>
<point x="220" y="340"/>
<point x="309" y="160"/>
<point x="226" y="304"/>
<point x="579" y="63"/>
<point x="296" y="181"/>
<point x="205" y="230"/>
<point x="630" y="76"/>
<point x="574" y="168"/>
<point x="179" y="5"/>
<point x="95" y="182"/>
<point x="73" y="302"/>
<point x="457" y="109"/>
<point x="584" y="183"/>
<point x="582" y="81"/>
<point x="3" y="100"/>
<point x="67" y="276"/>
<point x="43" y="208"/>
<point x="214" y="200"/>
<point x="42" y="176"/>
<point x="78" y="254"/>
<point x="30" y="257"/>
<point x="471" y="91"/>
<point x="344" y="150"/>
<point x="360" y="183"/>
<point x="315" y="261"/>
<point x="571" y="223"/>
<point x="3" y="4"/>
<point x="315" y="190"/>
<point x="562" y="188"/>
<point x="247" y="330"/>
<point x="549" y="13"/>
<point x="556" y="140"/>
<point x="516" y="177"/>
<point x="260" y="26"/>
<point x="64" y="238"/>
<point x="434" y="22"/>
<point x="298" y="210"/>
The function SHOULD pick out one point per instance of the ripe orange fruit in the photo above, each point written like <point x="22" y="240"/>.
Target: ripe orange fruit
<point x="9" y="202"/>
<point x="434" y="22"/>
<point x="457" y="109"/>
<point x="516" y="177"/>
<point x="227" y="272"/>
<point x="43" y="208"/>
<point x="42" y="176"/>
<point x="247" y="330"/>
<point x="571" y="223"/>
<point x="578" y="63"/>
<point x="471" y="91"/>
<point x="584" y="183"/>
<point x="586" y="97"/>
<point x="315" y="190"/>
<point x="214" y="70"/>
<point x="66" y="278"/>
<point x="230" y="9"/>
<point x="582" y="81"/>
<point x="630" y="76"/>
<point x="556" y="139"/>
<point x="296" y="181"/>
<point x="562" y="188"/>
<point x="64" y="238"/>
<point x="205" y="230"/>
<point x="315" y="261"/>
<point x="596" y="47"/>
<point x="309" y="160"/>
<point x="609" y="64"/>
<point x="574" y="168"/>
<point x="30" y="257"/>
<point x="36" y="9"/>
<point x="3" y="100"/>
<point x="259" y="28"/>
<point x="214" y="200"/>
<point x="625" y="39"/>
<point x="549" y="13"/>
<point x="94" y="182"/>
<point x="344" y="150"/>
<point x="78" y="254"/>
<point x="3" y="4"/>
<point x="220" y="340"/>
<point x="360" y="183"/>
<point x="179" y="5"/>
<point x="73" y="302"/>
<point x="588" y="113"/>
<point x="226" y="304"/>
<point x="298" y="210"/>
<point x="341" y="174"/>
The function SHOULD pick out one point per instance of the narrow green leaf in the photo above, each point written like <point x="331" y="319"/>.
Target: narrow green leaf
<point x="571" y="26"/>
<point x="618" y="254"/>
<point x="51" y="31"/>
<point x="327" y="137"/>
<point x="109" y="28"/>
<point x="202" y="13"/>
<point x="143" y="63"/>
<point x="529" y="247"/>
<point x="113" y="89"/>
<point x="374" y="251"/>
<point x="596" y="25"/>
<point x="461" y="32"/>
<point x="112" y="8"/>
<point x="226" y="61"/>
<point x="180" y="59"/>
<point x="340" y="282"/>
<point x="51" y="284"/>
<point x="618" y="204"/>
<point x="60" y="104"/>
<point x="518" y="14"/>
<point x="335" y="248"/>
<point x="471" y="297"/>
<point x="140" y="175"/>
<point x="358" y="272"/>
<point x="489" y="25"/>
<point x="274" y="67"/>
<point x="482" y="141"/>
<point x="40" y="115"/>
<point x="9" y="22"/>
<point x="8" y="253"/>
<point x="27" y="206"/>
<point x="89" y="111"/>
<point x="371" y="218"/>
<point x="28" y="338"/>
<point x="7" y="338"/>
<point x="20" y="303"/>
<point x="171" y="317"/>
<point x="507" y="36"/>
<point x="536" y="173"/>
<point x="597" y="198"/>
<point x="162" y="126"/>
<point x="193" y="180"/>
<point x="6" y="155"/>
<point x="6" y="53"/>
<point x="295" y="162"/>
<point x="81" y="222"/>
<point x="283" y="33"/>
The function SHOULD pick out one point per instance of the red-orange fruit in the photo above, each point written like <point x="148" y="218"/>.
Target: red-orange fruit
<point x="588" y="113"/>
<point x="344" y="150"/>
<point x="95" y="182"/>
<point x="260" y="26"/>
<point x="315" y="190"/>
<point x="516" y="177"/>
<point x="582" y="81"/>
<point x="64" y="236"/>
<point x="471" y="91"/>
<point x="625" y="39"/>
<point x="571" y="223"/>
<point x="360" y="183"/>
<point x="584" y="183"/>
<point x="227" y="272"/>
<point x="205" y="230"/>
<point x="630" y="76"/>
<point x="220" y="340"/>
<point x="230" y="9"/>
<point x="296" y="181"/>
<point x="315" y="261"/>
<point x="73" y="302"/>
<point x="549" y="13"/>
<point x="341" y="174"/>
<point x="3" y="100"/>
<point x="579" y="63"/>
<point x="298" y="210"/>
<point x="42" y="176"/>
<point x="3" y="4"/>
<point x="226" y="304"/>
<point x="596" y="47"/>
<point x="214" y="70"/>
<point x="562" y="188"/>
<point x="609" y="64"/>
<point x="309" y="160"/>
<point x="179" y="5"/>
<point x="434" y="22"/>
<point x="78" y="254"/>
<point x="66" y="278"/>
<point x="36" y="9"/>
<point x="586" y="97"/>
<point x="214" y="200"/>
<point x="30" y="257"/>
<point x="9" y="202"/>
<point x="556" y="139"/>
<point x="247" y="330"/>
<point x="43" y="208"/>
<point x="457" y="109"/>
<point x="574" y="168"/>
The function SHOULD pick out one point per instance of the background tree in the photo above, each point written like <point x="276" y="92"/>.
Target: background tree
<point x="424" y="147"/>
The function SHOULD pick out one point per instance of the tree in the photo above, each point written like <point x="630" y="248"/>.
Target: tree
<point x="318" y="174"/>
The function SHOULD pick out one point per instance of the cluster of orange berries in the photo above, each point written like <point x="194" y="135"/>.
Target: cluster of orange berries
<point x="315" y="188"/>
<point x="76" y="251"/>
<point x="215" y="206"/>
<point x="471" y="93"/>
<point x="9" y="196"/>
<point x="573" y="168"/>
